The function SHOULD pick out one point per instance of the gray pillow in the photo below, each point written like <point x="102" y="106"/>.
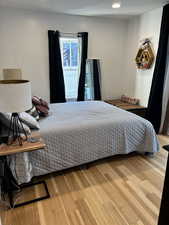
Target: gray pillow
<point x="5" y="120"/>
<point x="3" y="130"/>
<point x="33" y="112"/>
<point x="29" y="120"/>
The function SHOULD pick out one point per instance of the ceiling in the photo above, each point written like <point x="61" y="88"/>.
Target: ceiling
<point x="86" y="7"/>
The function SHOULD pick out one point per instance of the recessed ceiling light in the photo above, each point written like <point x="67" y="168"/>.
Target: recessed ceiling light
<point x="116" y="4"/>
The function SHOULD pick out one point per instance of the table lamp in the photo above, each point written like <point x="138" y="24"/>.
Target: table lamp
<point x="15" y="97"/>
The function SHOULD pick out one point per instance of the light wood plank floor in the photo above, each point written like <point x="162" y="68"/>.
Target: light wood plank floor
<point x="122" y="191"/>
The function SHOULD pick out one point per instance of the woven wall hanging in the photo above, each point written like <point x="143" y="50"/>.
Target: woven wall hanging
<point x="145" y="56"/>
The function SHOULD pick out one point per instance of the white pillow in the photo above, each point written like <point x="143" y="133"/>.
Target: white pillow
<point x="29" y="120"/>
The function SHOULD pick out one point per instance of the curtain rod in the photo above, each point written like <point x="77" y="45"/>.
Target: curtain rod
<point x="71" y="34"/>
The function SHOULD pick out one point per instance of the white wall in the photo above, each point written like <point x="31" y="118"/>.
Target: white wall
<point x="132" y="38"/>
<point x="24" y="44"/>
<point x="146" y="26"/>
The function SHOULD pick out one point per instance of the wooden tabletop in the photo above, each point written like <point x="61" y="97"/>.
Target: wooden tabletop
<point x="124" y="105"/>
<point x="26" y="147"/>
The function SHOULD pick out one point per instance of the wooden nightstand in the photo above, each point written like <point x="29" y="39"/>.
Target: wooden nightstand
<point x="26" y="147"/>
<point x="6" y="150"/>
<point x="136" y="109"/>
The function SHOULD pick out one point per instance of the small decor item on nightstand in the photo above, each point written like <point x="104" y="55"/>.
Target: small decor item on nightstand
<point x="33" y="139"/>
<point x="15" y="97"/>
<point x="130" y="100"/>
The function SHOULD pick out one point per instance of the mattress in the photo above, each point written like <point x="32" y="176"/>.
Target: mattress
<point x="81" y="132"/>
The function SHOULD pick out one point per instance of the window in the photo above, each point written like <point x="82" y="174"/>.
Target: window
<point x="70" y="51"/>
<point x="89" y="82"/>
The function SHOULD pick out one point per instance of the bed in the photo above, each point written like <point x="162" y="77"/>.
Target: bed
<point x="82" y="132"/>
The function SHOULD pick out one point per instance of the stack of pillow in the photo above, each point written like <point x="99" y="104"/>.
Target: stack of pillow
<point x="29" y="118"/>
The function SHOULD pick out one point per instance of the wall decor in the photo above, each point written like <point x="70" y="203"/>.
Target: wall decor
<point x="145" y="56"/>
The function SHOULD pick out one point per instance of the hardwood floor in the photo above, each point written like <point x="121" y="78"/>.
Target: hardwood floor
<point x="122" y="191"/>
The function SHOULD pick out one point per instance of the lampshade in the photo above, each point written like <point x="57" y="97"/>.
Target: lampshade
<point x="15" y="96"/>
<point x="12" y="74"/>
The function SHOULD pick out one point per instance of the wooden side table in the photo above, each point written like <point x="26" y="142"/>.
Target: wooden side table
<point x="136" y="109"/>
<point x="35" y="144"/>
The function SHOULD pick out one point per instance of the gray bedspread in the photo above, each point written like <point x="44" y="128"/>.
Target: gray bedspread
<point x="81" y="132"/>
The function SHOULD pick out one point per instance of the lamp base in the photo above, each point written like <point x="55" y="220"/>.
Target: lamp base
<point x="15" y="130"/>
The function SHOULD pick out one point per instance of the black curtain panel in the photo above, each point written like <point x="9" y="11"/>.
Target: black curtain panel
<point x="154" y="110"/>
<point x="57" y="86"/>
<point x="96" y="79"/>
<point x="84" y="51"/>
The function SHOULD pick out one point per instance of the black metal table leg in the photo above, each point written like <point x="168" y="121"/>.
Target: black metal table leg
<point x="9" y="185"/>
<point x="8" y="182"/>
<point x="33" y="200"/>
